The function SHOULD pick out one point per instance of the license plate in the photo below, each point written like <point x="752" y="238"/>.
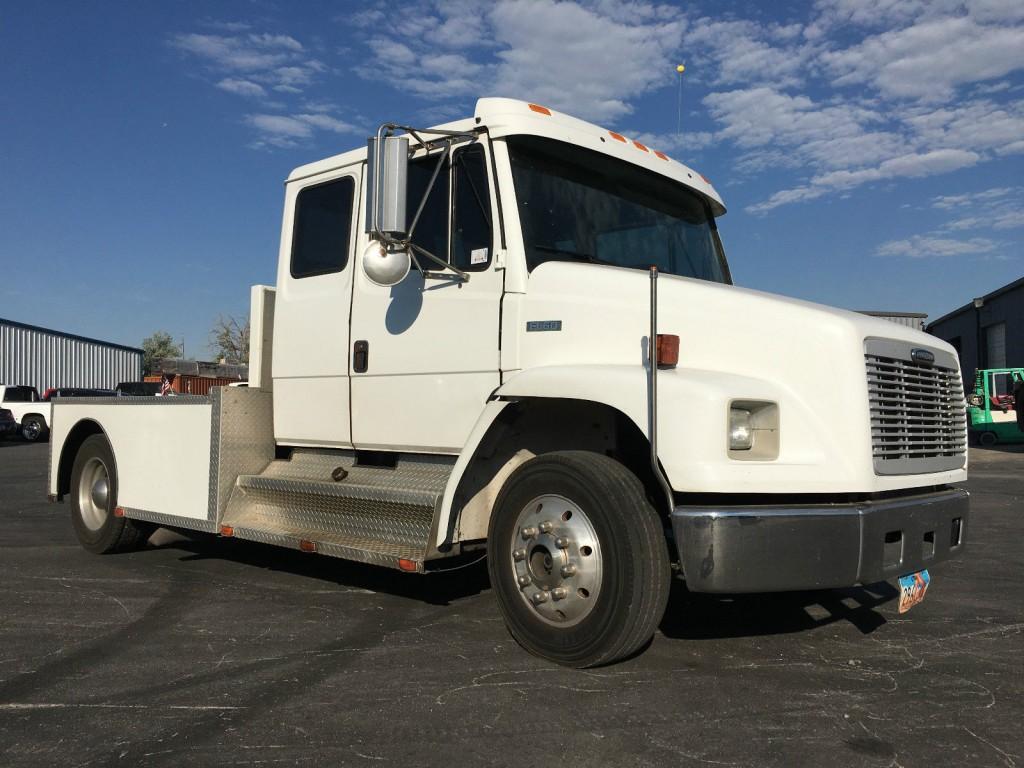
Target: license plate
<point x="912" y="589"/>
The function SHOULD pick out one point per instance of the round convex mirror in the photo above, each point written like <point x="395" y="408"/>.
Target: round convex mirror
<point x="385" y="265"/>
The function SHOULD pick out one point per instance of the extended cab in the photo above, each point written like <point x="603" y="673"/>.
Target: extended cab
<point x="517" y="334"/>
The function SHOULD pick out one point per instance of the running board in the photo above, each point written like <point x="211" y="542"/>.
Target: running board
<point x="322" y="501"/>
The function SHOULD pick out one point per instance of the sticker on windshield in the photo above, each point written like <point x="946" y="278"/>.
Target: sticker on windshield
<point x="478" y="256"/>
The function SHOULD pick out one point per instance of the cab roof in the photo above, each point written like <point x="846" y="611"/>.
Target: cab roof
<point x="506" y="117"/>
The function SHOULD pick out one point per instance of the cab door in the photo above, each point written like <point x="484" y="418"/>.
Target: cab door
<point x="311" y="312"/>
<point x="426" y="351"/>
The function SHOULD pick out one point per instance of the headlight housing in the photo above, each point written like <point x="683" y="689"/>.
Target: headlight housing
<point x="753" y="430"/>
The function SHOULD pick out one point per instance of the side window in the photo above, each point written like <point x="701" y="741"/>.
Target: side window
<point x="322" y="228"/>
<point x="471" y="210"/>
<point x="431" y="231"/>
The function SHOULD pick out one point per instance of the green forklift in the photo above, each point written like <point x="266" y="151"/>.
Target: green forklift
<point x="991" y="406"/>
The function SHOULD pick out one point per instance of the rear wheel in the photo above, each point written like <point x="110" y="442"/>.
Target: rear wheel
<point x="987" y="439"/>
<point x="94" y="498"/>
<point x="33" y="428"/>
<point x="578" y="559"/>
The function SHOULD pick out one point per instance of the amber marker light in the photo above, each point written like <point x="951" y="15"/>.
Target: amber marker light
<point x="617" y="136"/>
<point x="638" y="145"/>
<point x="541" y="110"/>
<point x="307" y="546"/>
<point x="227" y="530"/>
<point x="667" y="350"/>
<point x="406" y="565"/>
<point x="118" y="511"/>
<point x="662" y="155"/>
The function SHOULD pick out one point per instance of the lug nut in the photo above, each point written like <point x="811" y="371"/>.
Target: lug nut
<point x="559" y="593"/>
<point x="529" y="533"/>
<point x="568" y="570"/>
<point x="545" y="527"/>
<point x="519" y="555"/>
<point x="524" y="580"/>
<point x="562" y="543"/>
<point x="540" y="597"/>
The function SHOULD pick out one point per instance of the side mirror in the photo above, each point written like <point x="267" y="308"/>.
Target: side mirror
<point x="387" y="170"/>
<point x="385" y="265"/>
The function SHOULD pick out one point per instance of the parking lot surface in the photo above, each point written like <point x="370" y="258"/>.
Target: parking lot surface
<point x="203" y="651"/>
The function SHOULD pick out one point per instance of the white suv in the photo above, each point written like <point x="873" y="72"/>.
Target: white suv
<point x="28" y="409"/>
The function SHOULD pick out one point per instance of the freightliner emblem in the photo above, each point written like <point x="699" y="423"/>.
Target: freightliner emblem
<point x="543" y="325"/>
<point x="922" y="356"/>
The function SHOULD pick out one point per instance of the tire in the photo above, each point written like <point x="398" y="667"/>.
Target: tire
<point x="33" y="429"/>
<point x="987" y="439"/>
<point x="601" y="566"/>
<point x="94" y="498"/>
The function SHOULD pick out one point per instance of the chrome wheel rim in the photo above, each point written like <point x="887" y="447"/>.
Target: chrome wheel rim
<point x="31" y="430"/>
<point x="556" y="560"/>
<point x="94" y="494"/>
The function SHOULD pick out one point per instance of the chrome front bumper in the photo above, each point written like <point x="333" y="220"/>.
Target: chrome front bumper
<point x="732" y="549"/>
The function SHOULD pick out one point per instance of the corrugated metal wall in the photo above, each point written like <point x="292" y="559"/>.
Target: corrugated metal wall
<point x="42" y="358"/>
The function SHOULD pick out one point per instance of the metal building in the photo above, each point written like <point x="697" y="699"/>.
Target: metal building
<point x="44" y="358"/>
<point x="988" y="332"/>
<point x="913" y="320"/>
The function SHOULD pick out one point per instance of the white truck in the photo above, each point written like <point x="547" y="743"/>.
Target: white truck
<point x="457" y="359"/>
<point x="28" y="409"/>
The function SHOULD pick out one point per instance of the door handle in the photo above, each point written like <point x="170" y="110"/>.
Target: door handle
<point x="360" y="356"/>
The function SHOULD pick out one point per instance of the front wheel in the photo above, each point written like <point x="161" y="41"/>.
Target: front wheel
<point x="578" y="559"/>
<point x="987" y="439"/>
<point x="94" y="498"/>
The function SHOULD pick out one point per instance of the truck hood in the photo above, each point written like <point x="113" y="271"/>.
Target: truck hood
<point x="735" y="343"/>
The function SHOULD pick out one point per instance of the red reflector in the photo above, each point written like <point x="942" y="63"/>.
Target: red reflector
<point x="638" y="145"/>
<point x="307" y="546"/>
<point x="617" y="136"/>
<point x="118" y="511"/>
<point x="539" y="108"/>
<point x="667" y="349"/>
<point x="406" y="565"/>
<point x="662" y="155"/>
<point x="227" y="530"/>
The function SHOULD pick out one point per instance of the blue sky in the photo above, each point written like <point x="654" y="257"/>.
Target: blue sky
<point x="871" y="152"/>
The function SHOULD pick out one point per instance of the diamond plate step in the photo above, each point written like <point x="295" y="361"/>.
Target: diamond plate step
<point x="375" y="514"/>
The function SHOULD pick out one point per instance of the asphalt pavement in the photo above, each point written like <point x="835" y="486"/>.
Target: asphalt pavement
<point x="215" y="652"/>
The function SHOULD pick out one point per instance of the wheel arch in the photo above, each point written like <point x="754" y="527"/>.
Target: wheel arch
<point x="78" y="434"/>
<point x="513" y="430"/>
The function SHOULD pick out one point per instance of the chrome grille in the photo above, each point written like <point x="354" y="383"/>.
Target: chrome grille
<point x="918" y="414"/>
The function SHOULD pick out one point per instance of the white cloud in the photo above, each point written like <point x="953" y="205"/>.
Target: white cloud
<point x="748" y="52"/>
<point x="947" y="202"/>
<point x="929" y="59"/>
<point x="591" y="60"/>
<point x="926" y="246"/>
<point x="242" y="87"/>
<point x="290" y="130"/>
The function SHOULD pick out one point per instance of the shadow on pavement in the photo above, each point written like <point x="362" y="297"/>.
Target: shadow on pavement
<point x="464" y="577"/>
<point x="695" y="616"/>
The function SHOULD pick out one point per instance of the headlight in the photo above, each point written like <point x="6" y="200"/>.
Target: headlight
<point x="741" y="431"/>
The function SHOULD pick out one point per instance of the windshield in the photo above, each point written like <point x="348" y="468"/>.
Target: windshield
<point x="580" y="205"/>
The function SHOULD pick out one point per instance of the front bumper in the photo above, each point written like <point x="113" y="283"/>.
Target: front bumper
<point x="732" y="549"/>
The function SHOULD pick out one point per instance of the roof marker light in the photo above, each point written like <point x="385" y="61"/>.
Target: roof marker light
<point x="539" y="108"/>
<point x="638" y="145"/>
<point x="706" y="179"/>
<point x="617" y="136"/>
<point x="662" y="155"/>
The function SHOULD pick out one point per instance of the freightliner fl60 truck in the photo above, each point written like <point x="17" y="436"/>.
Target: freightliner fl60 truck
<point x="517" y="333"/>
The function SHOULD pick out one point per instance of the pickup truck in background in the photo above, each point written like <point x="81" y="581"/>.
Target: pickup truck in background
<point x="29" y="410"/>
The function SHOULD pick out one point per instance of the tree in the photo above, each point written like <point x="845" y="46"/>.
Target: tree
<point x="155" y="348"/>
<point x="229" y="340"/>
